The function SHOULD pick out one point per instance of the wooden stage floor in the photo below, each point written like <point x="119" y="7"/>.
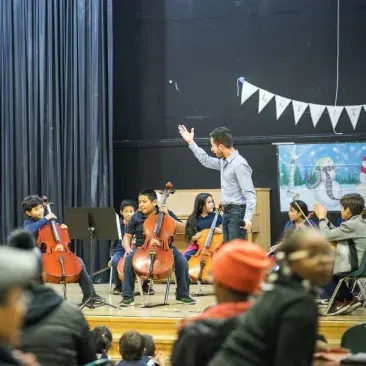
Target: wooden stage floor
<point x="161" y="322"/>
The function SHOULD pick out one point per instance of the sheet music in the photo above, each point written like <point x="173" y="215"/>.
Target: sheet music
<point x="118" y="228"/>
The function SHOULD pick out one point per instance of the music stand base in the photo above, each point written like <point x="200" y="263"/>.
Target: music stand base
<point x="96" y="304"/>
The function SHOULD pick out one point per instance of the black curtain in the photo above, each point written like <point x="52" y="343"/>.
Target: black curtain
<point x="56" y="107"/>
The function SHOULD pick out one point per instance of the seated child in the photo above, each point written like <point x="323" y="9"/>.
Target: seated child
<point x="200" y="219"/>
<point x="350" y="239"/>
<point x="127" y="210"/>
<point x="297" y="221"/>
<point x="103" y="340"/>
<point x="32" y="207"/>
<point x="131" y="348"/>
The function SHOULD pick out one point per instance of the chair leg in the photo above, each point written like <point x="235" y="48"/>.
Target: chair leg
<point x="334" y="295"/>
<point x="110" y="280"/>
<point x="167" y="290"/>
<point x="362" y="290"/>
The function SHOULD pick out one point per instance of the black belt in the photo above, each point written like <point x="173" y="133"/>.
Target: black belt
<point x="229" y="206"/>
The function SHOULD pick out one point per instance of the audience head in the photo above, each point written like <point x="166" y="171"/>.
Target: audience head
<point x="127" y="209"/>
<point x="294" y="212"/>
<point x="221" y="141"/>
<point x="131" y="346"/>
<point x="238" y="269"/>
<point x="33" y="207"/>
<point x="103" y="339"/>
<point x="352" y="204"/>
<point x="17" y="268"/>
<point x="307" y="254"/>
<point x="149" y="345"/>
<point x="203" y="203"/>
<point x="148" y="201"/>
<point x="25" y="240"/>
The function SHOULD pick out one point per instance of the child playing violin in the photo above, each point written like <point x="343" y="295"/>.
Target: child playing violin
<point x="148" y="206"/>
<point x="127" y="210"/>
<point x="33" y="208"/>
<point x="200" y="219"/>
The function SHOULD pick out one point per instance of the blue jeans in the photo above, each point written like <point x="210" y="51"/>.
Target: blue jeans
<point x="181" y="275"/>
<point x="231" y="223"/>
<point x="117" y="255"/>
<point x="189" y="254"/>
<point x="84" y="280"/>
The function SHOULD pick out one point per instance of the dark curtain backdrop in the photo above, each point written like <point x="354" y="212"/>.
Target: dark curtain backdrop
<point x="56" y="107"/>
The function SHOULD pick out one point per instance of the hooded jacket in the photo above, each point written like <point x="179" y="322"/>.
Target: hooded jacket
<point x="56" y="331"/>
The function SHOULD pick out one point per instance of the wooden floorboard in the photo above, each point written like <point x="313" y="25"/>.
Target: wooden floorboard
<point x="162" y="322"/>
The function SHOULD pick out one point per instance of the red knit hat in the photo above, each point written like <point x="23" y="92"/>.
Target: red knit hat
<point x="240" y="265"/>
<point x="363" y="167"/>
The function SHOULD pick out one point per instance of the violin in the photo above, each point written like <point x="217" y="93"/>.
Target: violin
<point x="60" y="265"/>
<point x="200" y="264"/>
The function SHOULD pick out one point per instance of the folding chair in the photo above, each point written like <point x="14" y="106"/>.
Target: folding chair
<point x="354" y="338"/>
<point x="353" y="276"/>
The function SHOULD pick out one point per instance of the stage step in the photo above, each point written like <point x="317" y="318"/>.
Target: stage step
<point x="164" y="330"/>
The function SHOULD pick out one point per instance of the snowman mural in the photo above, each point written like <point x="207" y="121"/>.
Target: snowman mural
<point x="325" y="189"/>
<point x="361" y="187"/>
<point x="363" y="171"/>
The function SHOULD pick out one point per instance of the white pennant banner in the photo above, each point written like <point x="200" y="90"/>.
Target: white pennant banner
<point x="264" y="98"/>
<point x="281" y="105"/>
<point x="353" y="112"/>
<point x="299" y="109"/>
<point x="334" y="114"/>
<point x="247" y="91"/>
<point x="316" y="111"/>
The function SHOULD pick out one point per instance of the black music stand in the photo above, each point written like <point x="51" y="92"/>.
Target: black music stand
<point x="92" y="223"/>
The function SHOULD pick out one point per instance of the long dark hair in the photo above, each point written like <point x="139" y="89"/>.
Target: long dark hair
<point x="191" y="225"/>
<point x="103" y="340"/>
<point x="304" y="207"/>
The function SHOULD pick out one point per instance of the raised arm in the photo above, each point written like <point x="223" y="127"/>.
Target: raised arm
<point x="34" y="227"/>
<point x="200" y="154"/>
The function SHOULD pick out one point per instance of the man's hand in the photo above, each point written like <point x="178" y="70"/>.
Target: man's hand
<point x="218" y="230"/>
<point x="320" y="211"/>
<point x="51" y="216"/>
<point x="63" y="226"/>
<point x="186" y="135"/>
<point x="248" y="226"/>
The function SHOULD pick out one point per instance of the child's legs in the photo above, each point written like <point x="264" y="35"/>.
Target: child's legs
<point x="115" y="260"/>
<point x="188" y="254"/>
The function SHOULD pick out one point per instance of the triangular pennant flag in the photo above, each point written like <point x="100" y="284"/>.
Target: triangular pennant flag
<point x="299" y="109"/>
<point x="247" y="91"/>
<point x="281" y="105"/>
<point x="264" y="98"/>
<point x="334" y="114"/>
<point x="353" y="113"/>
<point x="316" y="111"/>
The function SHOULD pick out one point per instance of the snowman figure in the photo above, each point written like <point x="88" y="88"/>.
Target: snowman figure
<point x="363" y="170"/>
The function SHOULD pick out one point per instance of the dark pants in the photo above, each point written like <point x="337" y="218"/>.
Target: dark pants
<point x="84" y="280"/>
<point x="231" y="223"/>
<point x="117" y="255"/>
<point x="344" y="292"/>
<point x="189" y="254"/>
<point x="181" y="275"/>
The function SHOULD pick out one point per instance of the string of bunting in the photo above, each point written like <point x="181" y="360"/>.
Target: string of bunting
<point x="299" y="107"/>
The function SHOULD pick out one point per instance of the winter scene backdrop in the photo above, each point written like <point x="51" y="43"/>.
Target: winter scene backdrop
<point x="321" y="173"/>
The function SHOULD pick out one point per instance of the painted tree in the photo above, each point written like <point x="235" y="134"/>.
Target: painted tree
<point x="284" y="179"/>
<point x="298" y="180"/>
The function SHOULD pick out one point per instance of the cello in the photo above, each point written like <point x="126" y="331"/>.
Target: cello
<point x="200" y="264"/>
<point x="60" y="265"/>
<point x="154" y="259"/>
